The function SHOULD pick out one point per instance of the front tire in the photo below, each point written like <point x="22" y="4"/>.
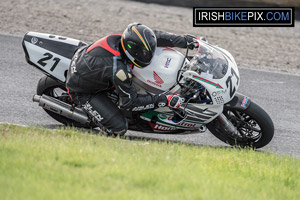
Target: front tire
<point x="253" y="124"/>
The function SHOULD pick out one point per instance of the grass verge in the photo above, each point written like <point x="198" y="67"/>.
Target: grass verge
<point x="68" y="164"/>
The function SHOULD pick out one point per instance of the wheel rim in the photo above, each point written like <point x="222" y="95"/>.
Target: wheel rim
<point x="249" y="129"/>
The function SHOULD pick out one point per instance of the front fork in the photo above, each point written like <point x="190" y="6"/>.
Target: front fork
<point x="239" y="102"/>
<point x="228" y="126"/>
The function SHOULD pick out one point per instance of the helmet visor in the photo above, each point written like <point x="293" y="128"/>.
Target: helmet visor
<point x="139" y="52"/>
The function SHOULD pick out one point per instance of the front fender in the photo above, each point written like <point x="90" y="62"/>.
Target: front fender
<point x="239" y="102"/>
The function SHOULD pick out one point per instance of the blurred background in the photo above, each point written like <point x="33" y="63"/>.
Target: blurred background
<point x="246" y="3"/>
<point x="267" y="48"/>
<point x="230" y="3"/>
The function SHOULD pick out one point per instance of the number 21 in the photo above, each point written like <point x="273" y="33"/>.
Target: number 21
<point x="229" y="82"/>
<point x="48" y="57"/>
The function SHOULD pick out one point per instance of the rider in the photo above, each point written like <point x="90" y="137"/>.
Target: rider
<point x="107" y="64"/>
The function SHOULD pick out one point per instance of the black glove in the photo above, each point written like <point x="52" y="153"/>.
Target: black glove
<point x="175" y="101"/>
<point x="191" y="41"/>
<point x="172" y="100"/>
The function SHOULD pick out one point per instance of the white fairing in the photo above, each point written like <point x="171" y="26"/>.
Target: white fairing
<point x="50" y="53"/>
<point x="161" y="74"/>
<point x="52" y="37"/>
<point x="221" y="83"/>
<point x="36" y="53"/>
<point x="221" y="90"/>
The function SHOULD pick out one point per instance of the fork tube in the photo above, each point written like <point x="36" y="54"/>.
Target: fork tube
<point x="228" y="126"/>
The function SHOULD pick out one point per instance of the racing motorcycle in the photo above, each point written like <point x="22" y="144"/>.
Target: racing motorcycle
<point x="208" y="81"/>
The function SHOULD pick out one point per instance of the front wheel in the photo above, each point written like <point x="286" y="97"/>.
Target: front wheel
<point x="254" y="125"/>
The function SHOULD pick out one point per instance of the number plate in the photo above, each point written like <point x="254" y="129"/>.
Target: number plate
<point x="52" y="63"/>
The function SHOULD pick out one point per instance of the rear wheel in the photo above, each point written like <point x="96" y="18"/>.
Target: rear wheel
<point x="254" y="125"/>
<point x="53" y="88"/>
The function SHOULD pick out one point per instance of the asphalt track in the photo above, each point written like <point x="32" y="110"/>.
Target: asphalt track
<point x="277" y="93"/>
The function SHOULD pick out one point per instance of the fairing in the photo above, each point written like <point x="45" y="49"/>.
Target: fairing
<point x="213" y="67"/>
<point x="50" y="53"/>
<point x="161" y="74"/>
<point x="220" y="76"/>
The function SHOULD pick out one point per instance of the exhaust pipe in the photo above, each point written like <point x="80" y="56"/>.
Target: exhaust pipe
<point x="61" y="108"/>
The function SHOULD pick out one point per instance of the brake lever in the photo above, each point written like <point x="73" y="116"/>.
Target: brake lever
<point x="183" y="114"/>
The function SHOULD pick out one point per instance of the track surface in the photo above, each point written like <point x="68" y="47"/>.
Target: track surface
<point x="277" y="93"/>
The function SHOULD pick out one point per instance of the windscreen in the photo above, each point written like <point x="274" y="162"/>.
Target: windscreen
<point x="211" y="61"/>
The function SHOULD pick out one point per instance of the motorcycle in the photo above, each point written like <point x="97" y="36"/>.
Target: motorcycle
<point x="208" y="81"/>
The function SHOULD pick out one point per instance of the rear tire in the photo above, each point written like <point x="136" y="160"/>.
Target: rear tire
<point x="255" y="120"/>
<point x="48" y="86"/>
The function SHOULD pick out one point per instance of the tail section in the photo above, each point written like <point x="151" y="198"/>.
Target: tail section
<point x="51" y="54"/>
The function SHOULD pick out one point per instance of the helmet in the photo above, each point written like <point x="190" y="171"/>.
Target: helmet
<point x="139" y="44"/>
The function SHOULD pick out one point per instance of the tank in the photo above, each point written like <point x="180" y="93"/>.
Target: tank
<point x="161" y="74"/>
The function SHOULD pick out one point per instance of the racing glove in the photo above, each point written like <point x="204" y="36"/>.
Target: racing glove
<point x="191" y="41"/>
<point x="175" y="101"/>
<point x="171" y="100"/>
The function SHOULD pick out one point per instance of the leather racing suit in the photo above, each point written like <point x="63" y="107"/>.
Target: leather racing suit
<point x="103" y="66"/>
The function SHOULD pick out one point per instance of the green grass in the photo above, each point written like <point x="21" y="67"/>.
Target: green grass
<point x="68" y="164"/>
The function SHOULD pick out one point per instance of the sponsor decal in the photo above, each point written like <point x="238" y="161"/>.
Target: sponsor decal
<point x="88" y="107"/>
<point x="147" y="107"/>
<point x="186" y="124"/>
<point x="161" y="104"/>
<point x="157" y="80"/>
<point x="245" y="100"/>
<point x="167" y="62"/>
<point x="182" y="123"/>
<point x="153" y="83"/>
<point x="218" y="93"/>
<point x="159" y="127"/>
<point x="73" y="63"/>
<point x="48" y="107"/>
<point x="168" y="119"/>
<point x="34" y="40"/>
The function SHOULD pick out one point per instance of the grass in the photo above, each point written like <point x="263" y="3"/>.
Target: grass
<point x="67" y="164"/>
